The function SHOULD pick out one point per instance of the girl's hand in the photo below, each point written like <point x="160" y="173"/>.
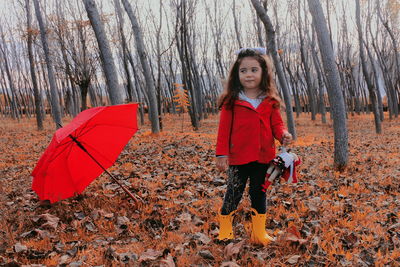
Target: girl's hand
<point x="222" y="163"/>
<point x="287" y="138"/>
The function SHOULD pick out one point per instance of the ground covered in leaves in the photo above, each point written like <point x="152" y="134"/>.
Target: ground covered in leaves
<point x="330" y="218"/>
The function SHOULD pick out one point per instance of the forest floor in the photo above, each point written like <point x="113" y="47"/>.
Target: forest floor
<point x="330" y="218"/>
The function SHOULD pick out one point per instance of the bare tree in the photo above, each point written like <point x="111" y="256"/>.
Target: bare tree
<point x="371" y="89"/>
<point x="236" y="23"/>
<point x="55" y="104"/>
<point x="334" y="91"/>
<point x="76" y="60"/>
<point x="373" y="66"/>
<point x="11" y="83"/>
<point x="218" y="22"/>
<point x="321" y="78"/>
<point x="153" y="111"/>
<point x="199" y="52"/>
<point x="185" y="45"/>
<point x="38" y="99"/>
<point x="261" y="12"/>
<point x="110" y="72"/>
<point x="306" y="66"/>
<point x="395" y="77"/>
<point x="125" y="52"/>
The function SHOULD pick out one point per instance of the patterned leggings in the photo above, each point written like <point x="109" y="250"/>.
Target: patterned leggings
<point x="237" y="179"/>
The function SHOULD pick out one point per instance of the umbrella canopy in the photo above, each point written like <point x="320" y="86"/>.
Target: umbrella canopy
<point x="66" y="169"/>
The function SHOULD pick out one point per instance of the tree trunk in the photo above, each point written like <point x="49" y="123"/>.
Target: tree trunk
<point x="106" y="56"/>
<point x="306" y="65"/>
<point x="334" y="91"/>
<point x="14" y="110"/>
<point x="376" y="76"/>
<point x="261" y="12"/>
<point x="55" y="104"/>
<point x="158" y="85"/>
<point x="36" y="93"/>
<point x="236" y="23"/>
<point x="188" y="73"/>
<point x="259" y="31"/>
<point x="140" y="98"/>
<point x="125" y="52"/>
<point x="321" y="81"/>
<point x="371" y="89"/>
<point x="153" y="109"/>
<point x="396" y="78"/>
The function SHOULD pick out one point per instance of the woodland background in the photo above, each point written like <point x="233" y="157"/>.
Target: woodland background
<point x="337" y="69"/>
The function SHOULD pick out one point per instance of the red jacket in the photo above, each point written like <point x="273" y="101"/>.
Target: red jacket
<point x="252" y="134"/>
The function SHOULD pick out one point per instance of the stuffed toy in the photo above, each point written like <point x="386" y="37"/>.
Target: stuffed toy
<point x="282" y="165"/>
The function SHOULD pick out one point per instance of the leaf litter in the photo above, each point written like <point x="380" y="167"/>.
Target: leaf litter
<point x="333" y="218"/>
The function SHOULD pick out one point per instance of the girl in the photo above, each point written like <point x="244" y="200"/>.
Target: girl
<point x="249" y="121"/>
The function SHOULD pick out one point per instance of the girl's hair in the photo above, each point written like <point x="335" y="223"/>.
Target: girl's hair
<point x="233" y="87"/>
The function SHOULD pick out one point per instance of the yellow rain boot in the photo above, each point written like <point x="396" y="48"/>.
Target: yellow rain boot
<point x="258" y="233"/>
<point x="225" y="226"/>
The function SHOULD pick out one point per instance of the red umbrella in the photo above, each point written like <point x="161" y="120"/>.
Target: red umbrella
<point x="82" y="150"/>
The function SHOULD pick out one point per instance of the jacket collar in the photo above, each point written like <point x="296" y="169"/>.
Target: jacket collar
<point x="248" y="105"/>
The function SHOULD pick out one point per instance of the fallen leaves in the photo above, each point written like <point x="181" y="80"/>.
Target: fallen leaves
<point x="232" y="250"/>
<point x="47" y="221"/>
<point x="293" y="259"/>
<point x="348" y="218"/>
<point x="150" y="255"/>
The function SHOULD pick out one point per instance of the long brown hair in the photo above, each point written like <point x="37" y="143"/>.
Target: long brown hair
<point x="233" y="85"/>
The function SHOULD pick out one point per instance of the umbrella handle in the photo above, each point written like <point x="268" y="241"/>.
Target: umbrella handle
<point x="135" y="199"/>
<point x="112" y="177"/>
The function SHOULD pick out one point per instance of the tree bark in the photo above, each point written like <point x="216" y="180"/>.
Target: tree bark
<point x="106" y="56"/>
<point x="153" y="109"/>
<point x="396" y="78"/>
<point x="334" y="91"/>
<point x="125" y="52"/>
<point x="36" y="93"/>
<point x="236" y="23"/>
<point x="371" y="89"/>
<point x="306" y="66"/>
<point x="188" y="74"/>
<point x="321" y="81"/>
<point x="14" y="105"/>
<point x="55" y="104"/>
<point x="261" y="12"/>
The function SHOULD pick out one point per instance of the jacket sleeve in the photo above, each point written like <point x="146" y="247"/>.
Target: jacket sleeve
<point x="224" y="130"/>
<point x="277" y="124"/>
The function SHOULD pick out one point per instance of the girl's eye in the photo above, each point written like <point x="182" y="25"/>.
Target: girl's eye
<point x="254" y="70"/>
<point x="242" y="71"/>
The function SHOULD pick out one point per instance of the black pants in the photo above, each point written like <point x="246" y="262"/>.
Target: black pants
<point x="237" y="179"/>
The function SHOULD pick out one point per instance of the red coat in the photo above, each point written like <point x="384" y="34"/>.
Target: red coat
<point x="253" y="132"/>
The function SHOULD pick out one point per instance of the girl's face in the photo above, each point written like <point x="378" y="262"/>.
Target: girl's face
<point x="250" y="74"/>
